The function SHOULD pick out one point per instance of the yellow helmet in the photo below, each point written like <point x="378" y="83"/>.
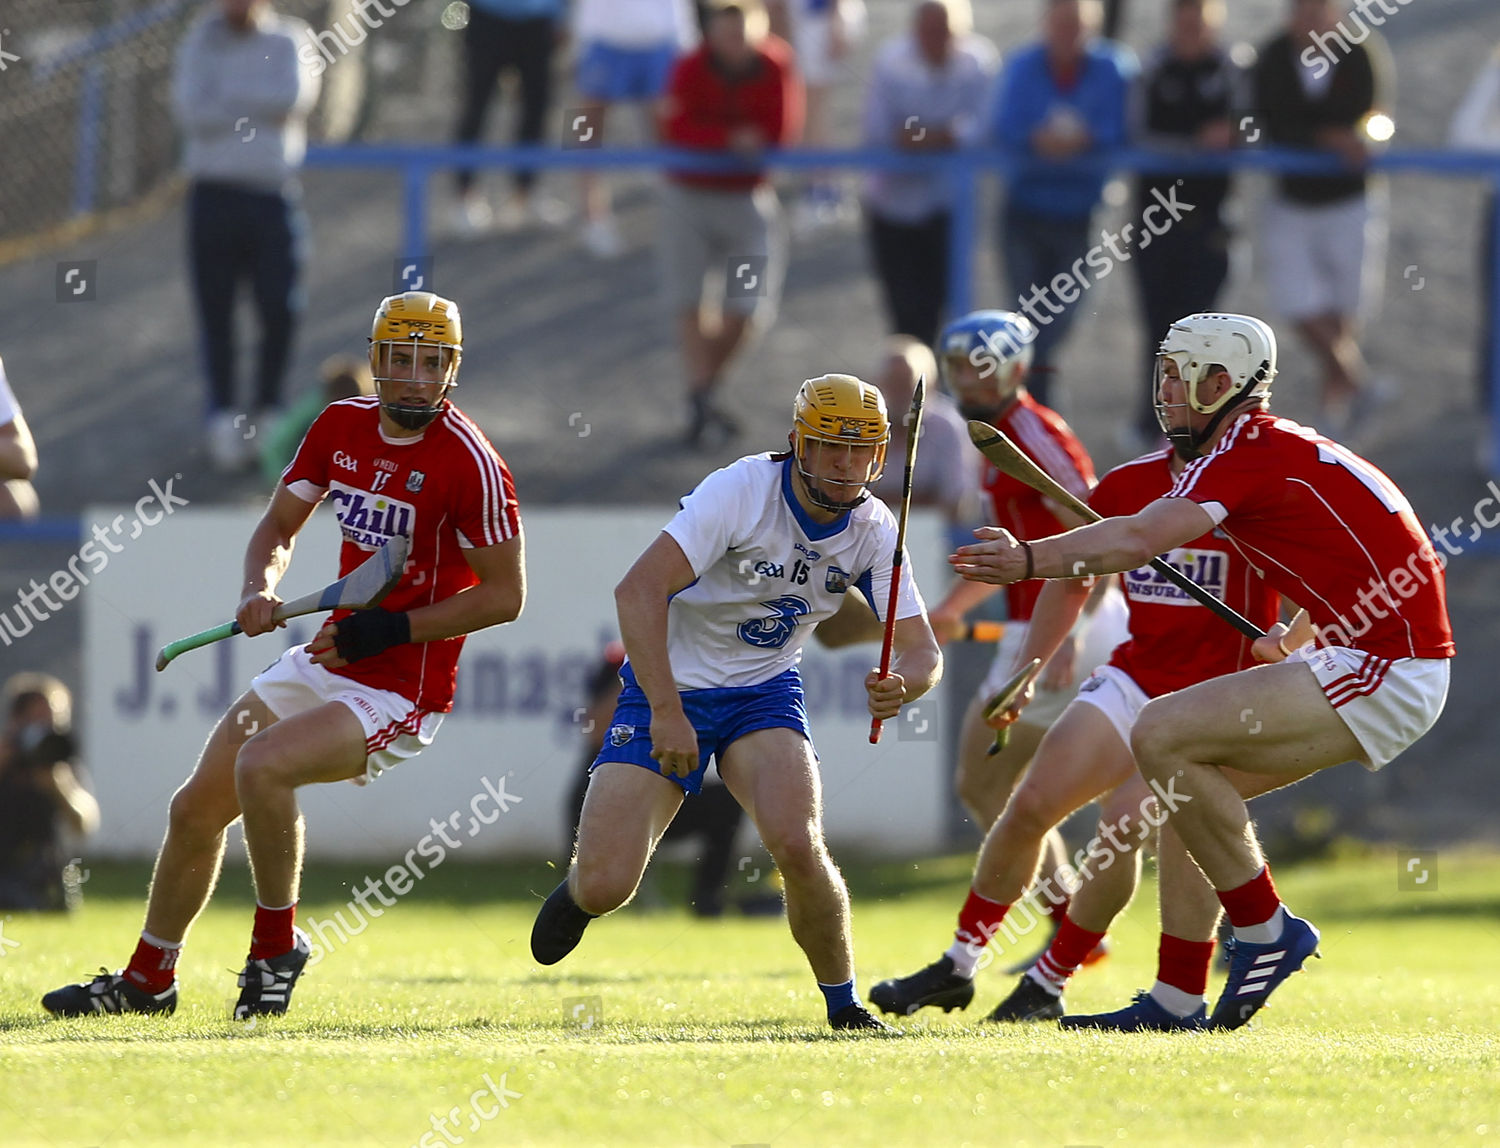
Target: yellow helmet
<point x="843" y="411"/>
<point x="416" y="320"/>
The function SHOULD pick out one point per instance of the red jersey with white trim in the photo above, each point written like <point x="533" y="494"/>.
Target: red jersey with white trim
<point x="446" y="490"/>
<point x="1173" y="642"/>
<point x="1329" y="531"/>
<point x="1043" y="434"/>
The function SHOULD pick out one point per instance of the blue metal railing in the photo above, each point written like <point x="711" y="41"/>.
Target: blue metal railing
<point x="963" y="170"/>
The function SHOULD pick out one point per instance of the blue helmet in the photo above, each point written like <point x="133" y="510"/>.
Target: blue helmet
<point x="991" y="340"/>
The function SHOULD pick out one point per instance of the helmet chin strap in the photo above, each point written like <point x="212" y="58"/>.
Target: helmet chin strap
<point x="1189" y="443"/>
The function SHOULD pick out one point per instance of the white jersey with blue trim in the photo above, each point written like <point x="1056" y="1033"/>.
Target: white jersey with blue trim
<point x="766" y="574"/>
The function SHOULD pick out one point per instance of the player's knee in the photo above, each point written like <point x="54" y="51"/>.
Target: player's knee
<point x="196" y="812"/>
<point x="601" y="889"/>
<point x="798" y="851"/>
<point x="1152" y="740"/>
<point x="254" y="765"/>
<point x="1031" y="812"/>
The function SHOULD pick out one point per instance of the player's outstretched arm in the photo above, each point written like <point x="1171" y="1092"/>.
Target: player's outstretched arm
<point x="497" y="598"/>
<point x="641" y="601"/>
<point x="916" y="666"/>
<point x="1107" y="547"/>
<point x="267" y="555"/>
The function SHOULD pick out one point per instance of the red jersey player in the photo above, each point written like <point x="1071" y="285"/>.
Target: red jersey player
<point x="1331" y="533"/>
<point x="371" y="688"/>
<point x="984" y="358"/>
<point x="1085" y="756"/>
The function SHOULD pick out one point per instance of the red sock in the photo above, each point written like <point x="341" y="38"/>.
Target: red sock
<point x="1184" y="964"/>
<point x="1058" y="910"/>
<point x="272" y="934"/>
<point x="1066" y="952"/>
<point x="1253" y="903"/>
<point x="153" y="967"/>
<point x="979" y="920"/>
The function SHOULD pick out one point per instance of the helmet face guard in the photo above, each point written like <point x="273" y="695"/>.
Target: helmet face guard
<point x="417" y="337"/>
<point x="840" y="433"/>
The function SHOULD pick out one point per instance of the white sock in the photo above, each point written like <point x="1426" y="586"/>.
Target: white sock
<point x="1041" y="978"/>
<point x="1175" y="1000"/>
<point x="965" y="959"/>
<point x="159" y="943"/>
<point x="1264" y="933"/>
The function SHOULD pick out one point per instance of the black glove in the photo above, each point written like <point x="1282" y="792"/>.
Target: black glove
<point x="365" y="633"/>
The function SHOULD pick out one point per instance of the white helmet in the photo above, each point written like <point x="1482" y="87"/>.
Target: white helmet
<point x="1242" y="345"/>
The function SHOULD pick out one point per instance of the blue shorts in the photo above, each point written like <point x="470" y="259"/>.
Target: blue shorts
<point x="720" y="718"/>
<point x="610" y="74"/>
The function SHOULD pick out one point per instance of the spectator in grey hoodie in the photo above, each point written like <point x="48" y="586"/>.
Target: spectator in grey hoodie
<point x="241" y="97"/>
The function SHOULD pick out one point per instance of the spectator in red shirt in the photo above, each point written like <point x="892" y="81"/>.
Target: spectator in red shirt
<point x="737" y="94"/>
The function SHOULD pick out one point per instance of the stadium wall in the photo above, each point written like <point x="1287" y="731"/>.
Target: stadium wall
<point x="506" y="759"/>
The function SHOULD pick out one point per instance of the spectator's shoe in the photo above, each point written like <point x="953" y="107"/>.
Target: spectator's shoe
<point x="559" y="927"/>
<point x="1143" y="1014"/>
<point x="709" y="424"/>
<point x="601" y="238"/>
<point x="857" y="1018"/>
<point x="108" y="992"/>
<point x="472" y="216"/>
<point x="1028" y="1001"/>
<point x="229" y="441"/>
<point x="1256" y="970"/>
<point x="936" y="985"/>
<point x="266" y="984"/>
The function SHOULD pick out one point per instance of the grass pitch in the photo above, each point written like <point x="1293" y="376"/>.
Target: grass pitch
<point x="661" y="1030"/>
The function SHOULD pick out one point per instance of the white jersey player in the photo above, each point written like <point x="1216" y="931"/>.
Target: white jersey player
<point x="714" y="616"/>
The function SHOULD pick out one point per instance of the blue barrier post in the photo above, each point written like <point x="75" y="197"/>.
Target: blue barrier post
<point x="416" y="180"/>
<point x="1494" y="320"/>
<point x="86" y="157"/>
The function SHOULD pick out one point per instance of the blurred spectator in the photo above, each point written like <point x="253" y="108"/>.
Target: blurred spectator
<point x="737" y="94"/>
<point x="1189" y="90"/>
<point x="241" y="98"/>
<point x="1059" y="100"/>
<point x="626" y="49"/>
<point x="17" y="457"/>
<point x="1476" y="125"/>
<point x="947" y="471"/>
<point x="928" y="92"/>
<point x="1324" y="236"/>
<point x="823" y="33"/>
<point x="343" y="377"/>
<point x="502" y="36"/>
<point x="713" y="815"/>
<point x="44" y="803"/>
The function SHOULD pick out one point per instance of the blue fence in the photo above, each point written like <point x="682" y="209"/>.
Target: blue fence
<point x="416" y="164"/>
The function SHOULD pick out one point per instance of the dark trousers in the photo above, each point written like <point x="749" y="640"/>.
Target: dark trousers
<point x="492" y="45"/>
<point x="1487" y="299"/>
<point x="1034" y="250"/>
<point x="236" y="234"/>
<point x="911" y="261"/>
<point x="1180" y="273"/>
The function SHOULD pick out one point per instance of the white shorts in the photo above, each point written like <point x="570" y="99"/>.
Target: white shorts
<point x="1113" y="692"/>
<point x="1109" y="626"/>
<point x="395" y="729"/>
<point x="1386" y="704"/>
<point x="1327" y="259"/>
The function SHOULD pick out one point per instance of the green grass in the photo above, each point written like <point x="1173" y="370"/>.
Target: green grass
<point x="712" y="1034"/>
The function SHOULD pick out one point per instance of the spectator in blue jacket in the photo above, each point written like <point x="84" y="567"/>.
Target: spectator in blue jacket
<point x="1060" y="101"/>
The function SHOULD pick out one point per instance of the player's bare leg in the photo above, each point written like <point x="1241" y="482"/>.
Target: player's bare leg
<point x="985" y="782"/>
<point x="186" y="871"/>
<point x="772" y="774"/>
<point x="625" y="811"/>
<point x="1288" y="730"/>
<point x="1080" y="757"/>
<point x="1268" y="720"/>
<point x="187" y="867"/>
<point x="323" y="744"/>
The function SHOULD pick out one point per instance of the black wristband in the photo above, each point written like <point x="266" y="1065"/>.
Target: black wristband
<point x="365" y="633"/>
<point x="1030" y="565"/>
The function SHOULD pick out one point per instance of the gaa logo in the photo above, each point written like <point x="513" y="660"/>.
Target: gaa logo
<point x="620" y="734"/>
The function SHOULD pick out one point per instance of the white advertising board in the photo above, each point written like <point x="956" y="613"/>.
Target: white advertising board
<point x="514" y="724"/>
